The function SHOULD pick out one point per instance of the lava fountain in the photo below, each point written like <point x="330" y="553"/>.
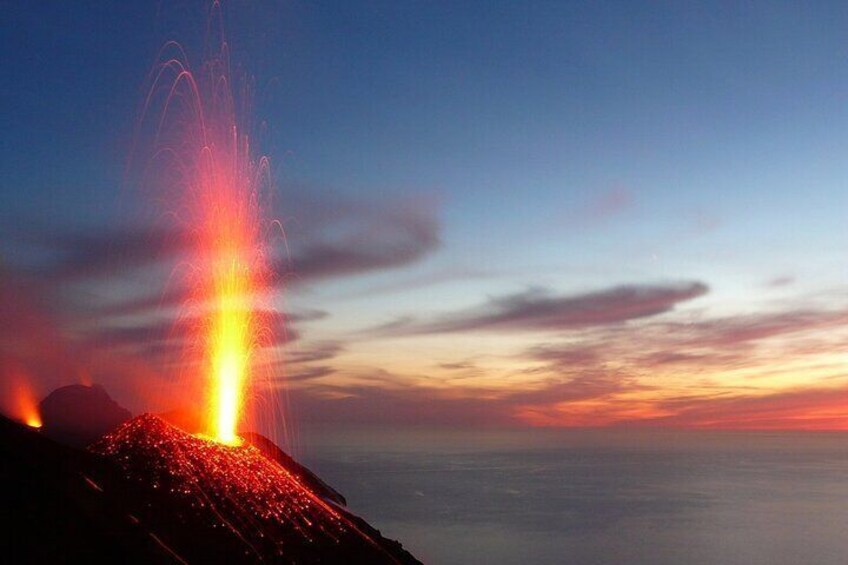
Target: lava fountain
<point x="233" y="271"/>
<point x="230" y="277"/>
<point x="202" y="158"/>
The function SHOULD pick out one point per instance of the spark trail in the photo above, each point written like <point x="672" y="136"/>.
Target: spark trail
<point x="202" y="160"/>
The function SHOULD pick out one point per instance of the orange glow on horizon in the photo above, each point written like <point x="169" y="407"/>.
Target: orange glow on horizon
<point x="589" y="413"/>
<point x="822" y="409"/>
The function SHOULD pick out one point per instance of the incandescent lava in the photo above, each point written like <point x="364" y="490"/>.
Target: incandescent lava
<point x="240" y="497"/>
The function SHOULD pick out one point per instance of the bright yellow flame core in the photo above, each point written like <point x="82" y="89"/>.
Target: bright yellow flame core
<point x="230" y="337"/>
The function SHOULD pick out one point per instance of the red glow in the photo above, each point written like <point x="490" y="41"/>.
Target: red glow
<point x="20" y="401"/>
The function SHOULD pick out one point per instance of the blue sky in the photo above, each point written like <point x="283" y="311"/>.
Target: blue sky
<point x="481" y="155"/>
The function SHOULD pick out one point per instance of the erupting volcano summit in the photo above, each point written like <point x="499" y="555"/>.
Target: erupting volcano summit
<point x="237" y="500"/>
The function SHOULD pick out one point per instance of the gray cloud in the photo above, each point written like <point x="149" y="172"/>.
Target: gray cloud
<point x="305" y="374"/>
<point x="310" y="315"/>
<point x="320" y="351"/>
<point x="388" y="400"/>
<point x="460" y="366"/>
<point x="743" y="330"/>
<point x="538" y="309"/>
<point x="327" y="238"/>
<point x="76" y="253"/>
<point x="578" y="355"/>
<point x="362" y="240"/>
<point x="783" y="280"/>
<point x="719" y="343"/>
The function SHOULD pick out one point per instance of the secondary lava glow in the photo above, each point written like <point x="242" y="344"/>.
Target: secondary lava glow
<point x="18" y="398"/>
<point x="29" y="411"/>
<point x="27" y="405"/>
<point x="33" y="420"/>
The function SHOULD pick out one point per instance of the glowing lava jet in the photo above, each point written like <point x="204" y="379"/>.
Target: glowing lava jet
<point x="202" y="155"/>
<point x="230" y="279"/>
<point x="232" y="274"/>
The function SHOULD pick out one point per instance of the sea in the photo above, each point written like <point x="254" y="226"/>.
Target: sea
<point x="522" y="497"/>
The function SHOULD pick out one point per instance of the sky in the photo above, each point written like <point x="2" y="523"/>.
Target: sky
<point x="500" y="214"/>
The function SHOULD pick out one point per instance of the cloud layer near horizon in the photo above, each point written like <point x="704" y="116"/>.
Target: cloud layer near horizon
<point x="619" y="355"/>
<point x="541" y="310"/>
<point x="707" y="372"/>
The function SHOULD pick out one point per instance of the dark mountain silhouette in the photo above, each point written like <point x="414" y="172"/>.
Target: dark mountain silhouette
<point x="54" y="510"/>
<point x="77" y="415"/>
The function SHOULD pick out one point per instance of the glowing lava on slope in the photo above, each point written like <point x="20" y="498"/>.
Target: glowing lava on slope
<point x="238" y="494"/>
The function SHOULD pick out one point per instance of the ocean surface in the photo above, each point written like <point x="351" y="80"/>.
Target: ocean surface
<point x="593" y="496"/>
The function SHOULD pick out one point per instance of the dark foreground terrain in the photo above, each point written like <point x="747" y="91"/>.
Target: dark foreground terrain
<point x="150" y="493"/>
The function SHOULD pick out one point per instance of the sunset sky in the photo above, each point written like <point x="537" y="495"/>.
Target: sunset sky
<point x="497" y="214"/>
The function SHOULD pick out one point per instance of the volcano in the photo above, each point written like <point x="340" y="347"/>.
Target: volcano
<point x="210" y="500"/>
<point x="151" y="493"/>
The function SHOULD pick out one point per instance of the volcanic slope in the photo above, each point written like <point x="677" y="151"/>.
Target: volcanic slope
<point x="54" y="509"/>
<point x="236" y="500"/>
